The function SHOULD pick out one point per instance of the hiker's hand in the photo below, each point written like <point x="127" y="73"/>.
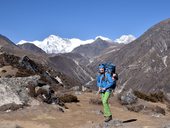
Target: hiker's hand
<point x="103" y="89"/>
<point x="98" y="92"/>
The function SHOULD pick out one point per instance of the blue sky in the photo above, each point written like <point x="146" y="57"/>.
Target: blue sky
<point x="84" y="19"/>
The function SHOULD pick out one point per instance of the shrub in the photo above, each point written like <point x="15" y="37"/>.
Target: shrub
<point x="160" y="110"/>
<point x="168" y="107"/>
<point x="95" y="102"/>
<point x="153" y="97"/>
<point x="159" y="96"/>
<point x="68" y="98"/>
<point x="24" y="73"/>
<point x="3" y="71"/>
<point x="137" y="108"/>
<point x="11" y="106"/>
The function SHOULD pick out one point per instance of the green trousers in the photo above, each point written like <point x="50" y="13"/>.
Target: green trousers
<point x="105" y="97"/>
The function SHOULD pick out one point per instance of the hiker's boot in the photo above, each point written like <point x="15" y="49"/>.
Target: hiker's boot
<point x="109" y="118"/>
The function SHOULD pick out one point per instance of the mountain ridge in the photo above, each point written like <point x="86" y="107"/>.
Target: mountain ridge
<point x="55" y="44"/>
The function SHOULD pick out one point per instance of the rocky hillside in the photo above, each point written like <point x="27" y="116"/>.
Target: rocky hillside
<point x="32" y="48"/>
<point x="11" y="55"/>
<point x="94" y="49"/>
<point x="7" y="45"/>
<point x="72" y="64"/>
<point x="144" y="64"/>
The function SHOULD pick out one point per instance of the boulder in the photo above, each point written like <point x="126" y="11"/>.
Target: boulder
<point x="14" y="90"/>
<point x="128" y="97"/>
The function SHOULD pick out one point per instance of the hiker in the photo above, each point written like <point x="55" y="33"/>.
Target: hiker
<point x="106" y="83"/>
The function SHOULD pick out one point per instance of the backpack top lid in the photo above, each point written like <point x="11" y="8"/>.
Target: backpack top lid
<point x="101" y="66"/>
<point x="110" y="68"/>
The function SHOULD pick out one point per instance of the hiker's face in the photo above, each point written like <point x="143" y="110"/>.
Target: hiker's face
<point x="101" y="70"/>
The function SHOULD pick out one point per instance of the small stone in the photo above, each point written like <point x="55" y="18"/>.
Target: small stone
<point x="9" y="125"/>
<point x="78" y="93"/>
<point x="112" y="123"/>
<point x="167" y="126"/>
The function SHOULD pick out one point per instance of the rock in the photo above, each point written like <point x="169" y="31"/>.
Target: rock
<point x="11" y="107"/>
<point x="28" y="64"/>
<point x="9" y="125"/>
<point x="112" y="124"/>
<point x="128" y="97"/>
<point x="14" y="90"/>
<point x="61" y="110"/>
<point x="86" y="89"/>
<point x="44" y="93"/>
<point x="40" y="83"/>
<point x="33" y="102"/>
<point x="97" y="112"/>
<point x="43" y="90"/>
<point x="78" y="93"/>
<point x="167" y="126"/>
<point x="75" y="88"/>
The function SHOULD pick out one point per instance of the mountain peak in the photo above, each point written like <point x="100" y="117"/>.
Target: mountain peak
<point x="5" y="41"/>
<point x="103" y="38"/>
<point x="54" y="38"/>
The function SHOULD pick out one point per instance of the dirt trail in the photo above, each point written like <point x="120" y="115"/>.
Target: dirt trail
<point x="79" y="115"/>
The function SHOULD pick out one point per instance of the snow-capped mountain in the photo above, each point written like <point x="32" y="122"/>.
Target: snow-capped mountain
<point x="125" y="39"/>
<point x="56" y="44"/>
<point x="51" y="44"/>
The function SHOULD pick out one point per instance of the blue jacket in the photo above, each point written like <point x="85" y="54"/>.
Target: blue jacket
<point x="107" y="83"/>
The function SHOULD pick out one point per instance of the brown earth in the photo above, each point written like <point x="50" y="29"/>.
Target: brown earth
<point x="79" y="115"/>
<point x="8" y="70"/>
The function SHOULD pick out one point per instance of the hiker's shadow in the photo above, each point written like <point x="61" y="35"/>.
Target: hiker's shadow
<point x="129" y="121"/>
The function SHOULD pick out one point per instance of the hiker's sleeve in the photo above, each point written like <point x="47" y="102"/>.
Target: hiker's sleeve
<point x="98" y="81"/>
<point x="110" y="81"/>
